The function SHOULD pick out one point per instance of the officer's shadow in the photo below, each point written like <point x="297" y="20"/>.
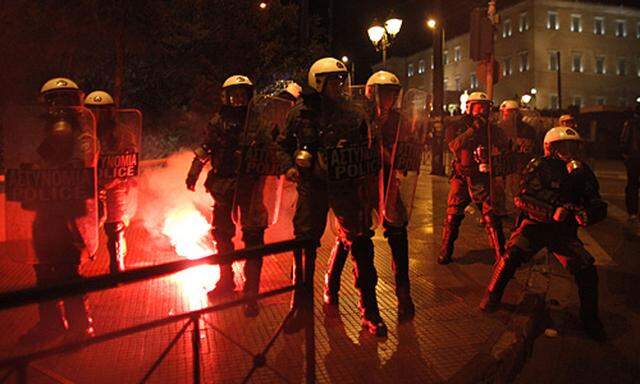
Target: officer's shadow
<point x="348" y="360"/>
<point x="476" y="256"/>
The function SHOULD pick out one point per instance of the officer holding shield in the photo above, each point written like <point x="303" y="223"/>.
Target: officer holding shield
<point x="333" y="158"/>
<point x="383" y="90"/>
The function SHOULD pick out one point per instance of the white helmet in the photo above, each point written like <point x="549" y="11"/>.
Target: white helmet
<point x="509" y="104"/>
<point x="561" y="134"/>
<point x="62" y="92"/>
<point x="59" y="84"/>
<point x="237" y="80"/>
<point x="323" y="67"/>
<point x="380" y="78"/>
<point x="477" y="97"/>
<point x="294" y="89"/>
<point x="99" y="99"/>
<point x="564" y="119"/>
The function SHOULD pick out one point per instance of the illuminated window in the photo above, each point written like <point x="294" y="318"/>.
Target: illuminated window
<point x="421" y="66"/>
<point x="552" y="20"/>
<point x="524" y="61"/>
<point x="506" y="28"/>
<point x="576" y="63"/>
<point x="457" y="54"/>
<point x="600" y="100"/>
<point x="410" y="70"/>
<point x="553" y="60"/>
<point x="577" y="101"/>
<point x="598" y="25"/>
<point x="458" y="84"/>
<point x="600" y="65"/>
<point x="474" y="81"/>
<point x="506" y="67"/>
<point x="553" y="102"/>
<point x="523" y="22"/>
<point x="622" y="67"/>
<point x="432" y="61"/>
<point x="445" y="57"/>
<point x="638" y="30"/>
<point x="621" y="28"/>
<point x="576" y="23"/>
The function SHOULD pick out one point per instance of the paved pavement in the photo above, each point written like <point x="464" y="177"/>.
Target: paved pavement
<point x="448" y="341"/>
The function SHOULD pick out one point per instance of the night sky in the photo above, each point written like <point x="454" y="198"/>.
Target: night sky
<point x="353" y="17"/>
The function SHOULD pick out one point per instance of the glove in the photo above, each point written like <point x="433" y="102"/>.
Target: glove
<point x="292" y="175"/>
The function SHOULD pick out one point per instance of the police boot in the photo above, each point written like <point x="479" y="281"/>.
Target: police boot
<point x="335" y="266"/>
<point x="302" y="299"/>
<point x="50" y="325"/>
<point x="493" y="226"/>
<point x="449" y="235"/>
<point x="366" y="279"/>
<point x="76" y="310"/>
<point x="587" y="282"/>
<point x="252" y="271"/>
<point x="225" y="285"/>
<point x="399" y="244"/>
<point x="116" y="245"/>
<point x="503" y="271"/>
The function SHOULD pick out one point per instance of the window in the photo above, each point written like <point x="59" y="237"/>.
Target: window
<point x="638" y="30"/>
<point x="410" y="70"/>
<point x="598" y="25"/>
<point x="506" y="28"/>
<point x="552" y="20"/>
<point x="523" y="22"/>
<point x="553" y="102"/>
<point x="553" y="61"/>
<point x="421" y="66"/>
<point x="457" y="53"/>
<point x="638" y="66"/>
<point x="458" y="84"/>
<point x="621" y="28"/>
<point x="524" y="61"/>
<point x="576" y="23"/>
<point x="600" y="100"/>
<point x="446" y="82"/>
<point x="600" y="65"/>
<point x="474" y="81"/>
<point x="622" y="67"/>
<point x="432" y="61"/>
<point x="577" y="101"/>
<point x="506" y="67"/>
<point x="445" y="57"/>
<point x="576" y="62"/>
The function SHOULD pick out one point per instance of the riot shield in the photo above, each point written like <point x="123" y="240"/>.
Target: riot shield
<point x="50" y="185"/>
<point x="403" y="155"/>
<point x="352" y="158"/>
<point x="120" y="135"/>
<point x="259" y="181"/>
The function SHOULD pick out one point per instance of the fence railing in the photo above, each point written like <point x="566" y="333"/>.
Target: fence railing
<point x="19" y="364"/>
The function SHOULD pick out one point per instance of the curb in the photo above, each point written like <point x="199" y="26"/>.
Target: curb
<point x="504" y="356"/>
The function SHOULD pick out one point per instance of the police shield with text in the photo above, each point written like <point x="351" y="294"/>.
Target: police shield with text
<point x="259" y="180"/>
<point x="51" y="206"/>
<point x="402" y="134"/>
<point x="335" y="158"/>
<point x="119" y="134"/>
<point x="558" y="194"/>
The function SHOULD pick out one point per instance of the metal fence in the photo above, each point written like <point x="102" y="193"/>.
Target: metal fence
<point x="18" y="365"/>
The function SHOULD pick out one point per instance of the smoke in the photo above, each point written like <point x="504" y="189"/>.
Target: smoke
<point x="168" y="210"/>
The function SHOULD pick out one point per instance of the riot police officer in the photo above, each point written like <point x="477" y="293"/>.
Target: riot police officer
<point x="116" y="193"/>
<point x="382" y="90"/>
<point x="221" y="148"/>
<point x="558" y="194"/>
<point x="630" y="146"/>
<point x="63" y="230"/>
<point x="324" y="123"/>
<point x="471" y="179"/>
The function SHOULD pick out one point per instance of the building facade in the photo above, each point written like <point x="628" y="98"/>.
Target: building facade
<point x="599" y="48"/>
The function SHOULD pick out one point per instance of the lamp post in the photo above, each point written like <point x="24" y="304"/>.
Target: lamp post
<point x="382" y="35"/>
<point x="351" y="65"/>
<point x="437" y="151"/>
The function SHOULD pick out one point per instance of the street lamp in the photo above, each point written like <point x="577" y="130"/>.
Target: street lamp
<point x="437" y="153"/>
<point x="431" y="23"/>
<point x="262" y="5"/>
<point x="351" y="65"/>
<point x="382" y="35"/>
